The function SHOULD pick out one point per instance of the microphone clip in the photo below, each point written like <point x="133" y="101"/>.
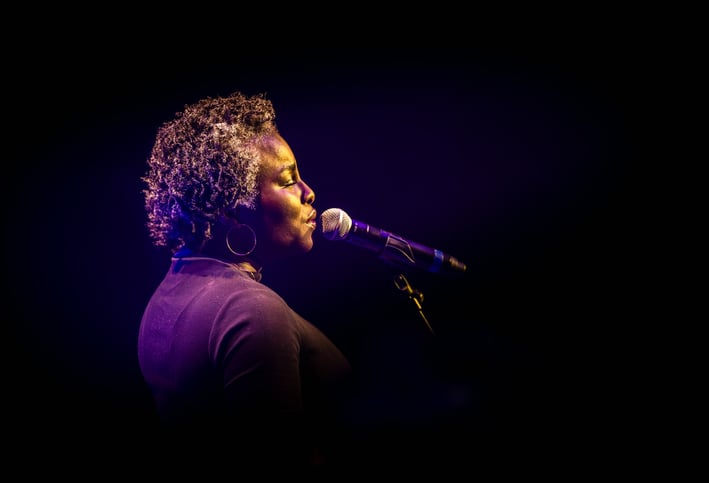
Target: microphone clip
<point x="416" y="296"/>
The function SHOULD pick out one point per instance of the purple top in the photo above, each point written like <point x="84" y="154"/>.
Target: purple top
<point x="217" y="347"/>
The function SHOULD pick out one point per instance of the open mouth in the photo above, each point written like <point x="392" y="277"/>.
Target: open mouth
<point x="313" y="219"/>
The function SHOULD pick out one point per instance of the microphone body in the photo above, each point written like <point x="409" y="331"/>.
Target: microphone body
<point x="389" y="247"/>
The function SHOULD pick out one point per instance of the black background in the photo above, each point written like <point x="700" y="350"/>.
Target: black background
<point x="513" y="157"/>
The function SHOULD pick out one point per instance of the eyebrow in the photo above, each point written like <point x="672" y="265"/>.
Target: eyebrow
<point x="287" y="167"/>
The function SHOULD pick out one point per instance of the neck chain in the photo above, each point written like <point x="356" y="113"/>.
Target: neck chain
<point x="186" y="255"/>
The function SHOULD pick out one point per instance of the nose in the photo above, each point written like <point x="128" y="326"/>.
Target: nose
<point x="308" y="194"/>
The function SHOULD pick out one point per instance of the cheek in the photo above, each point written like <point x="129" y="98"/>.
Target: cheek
<point x="280" y="211"/>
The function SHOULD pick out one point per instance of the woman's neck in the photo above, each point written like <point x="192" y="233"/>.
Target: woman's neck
<point x="247" y="264"/>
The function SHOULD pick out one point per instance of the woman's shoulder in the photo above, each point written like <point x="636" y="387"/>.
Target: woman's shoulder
<point x="245" y="299"/>
<point x="255" y="316"/>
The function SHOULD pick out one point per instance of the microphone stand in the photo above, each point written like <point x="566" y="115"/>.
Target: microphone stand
<point x="414" y="295"/>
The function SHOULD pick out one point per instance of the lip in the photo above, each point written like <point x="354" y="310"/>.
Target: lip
<point x="313" y="219"/>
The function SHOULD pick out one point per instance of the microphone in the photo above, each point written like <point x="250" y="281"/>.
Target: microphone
<point x="392" y="249"/>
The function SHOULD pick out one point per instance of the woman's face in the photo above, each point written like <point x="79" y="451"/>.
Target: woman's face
<point x="284" y="220"/>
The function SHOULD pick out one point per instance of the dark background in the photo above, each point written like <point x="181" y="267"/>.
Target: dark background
<point x="513" y="158"/>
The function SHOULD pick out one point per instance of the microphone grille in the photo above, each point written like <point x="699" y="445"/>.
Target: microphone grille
<point x="336" y="224"/>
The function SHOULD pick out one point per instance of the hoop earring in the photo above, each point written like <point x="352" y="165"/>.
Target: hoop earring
<point x="241" y="234"/>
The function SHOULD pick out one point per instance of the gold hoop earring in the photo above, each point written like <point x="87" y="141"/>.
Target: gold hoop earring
<point x="242" y="235"/>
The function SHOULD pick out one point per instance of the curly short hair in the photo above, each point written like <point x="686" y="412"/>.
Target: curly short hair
<point x="205" y="162"/>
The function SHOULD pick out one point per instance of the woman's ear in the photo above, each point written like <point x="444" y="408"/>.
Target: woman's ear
<point x="229" y="216"/>
<point x="238" y="214"/>
<point x="243" y="215"/>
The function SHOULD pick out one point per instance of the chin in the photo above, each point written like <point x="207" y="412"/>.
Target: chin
<point x="307" y="246"/>
<point x="299" y="248"/>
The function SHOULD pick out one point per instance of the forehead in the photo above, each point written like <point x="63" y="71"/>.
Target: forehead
<point x="276" y="155"/>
